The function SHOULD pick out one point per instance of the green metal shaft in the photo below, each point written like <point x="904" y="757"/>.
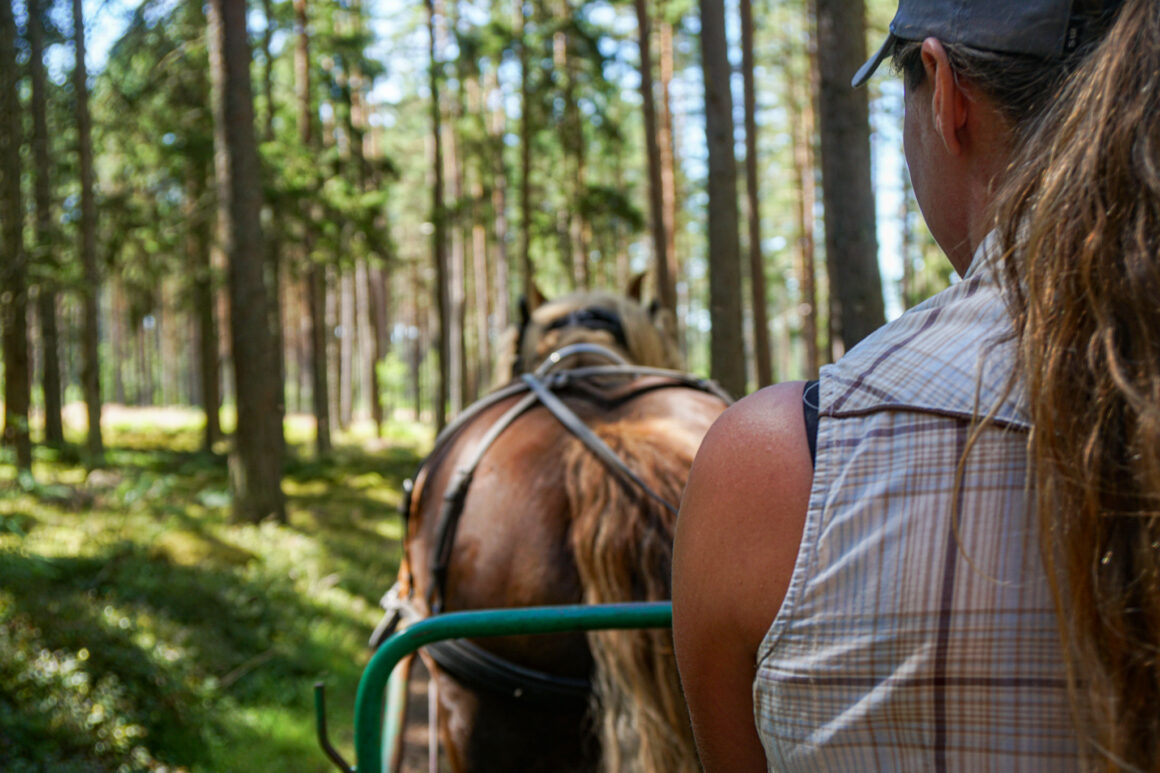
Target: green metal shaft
<point x="368" y="716"/>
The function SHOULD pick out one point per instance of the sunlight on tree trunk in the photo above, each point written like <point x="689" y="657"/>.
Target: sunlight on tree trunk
<point x="761" y="350"/>
<point x="665" y="281"/>
<point x="44" y="256"/>
<point x="90" y="292"/>
<point x="256" y="464"/>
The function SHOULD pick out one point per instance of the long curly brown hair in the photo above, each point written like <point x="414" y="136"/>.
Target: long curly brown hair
<point x="1080" y="215"/>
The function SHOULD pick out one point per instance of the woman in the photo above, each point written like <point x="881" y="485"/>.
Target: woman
<point x="904" y="601"/>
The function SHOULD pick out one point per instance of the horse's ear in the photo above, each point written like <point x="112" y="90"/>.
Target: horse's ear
<point x="636" y="286"/>
<point x="537" y="298"/>
<point x="525" y="312"/>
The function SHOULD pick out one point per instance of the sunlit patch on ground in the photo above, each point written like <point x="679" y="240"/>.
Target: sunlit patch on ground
<point x="141" y="630"/>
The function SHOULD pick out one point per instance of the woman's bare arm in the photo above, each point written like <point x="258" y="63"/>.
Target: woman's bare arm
<point x="737" y="540"/>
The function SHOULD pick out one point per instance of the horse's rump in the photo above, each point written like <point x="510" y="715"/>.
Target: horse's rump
<point x="545" y="522"/>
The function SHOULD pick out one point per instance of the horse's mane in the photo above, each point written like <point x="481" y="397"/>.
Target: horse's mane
<point x="650" y="334"/>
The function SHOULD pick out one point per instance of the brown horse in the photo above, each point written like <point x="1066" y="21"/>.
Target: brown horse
<point x="544" y="521"/>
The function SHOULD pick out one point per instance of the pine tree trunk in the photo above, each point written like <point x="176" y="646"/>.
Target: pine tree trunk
<point x="501" y="301"/>
<point x="528" y="269"/>
<point x="345" y="298"/>
<point x="91" y="289"/>
<point x="379" y="299"/>
<point x="666" y="282"/>
<point x="418" y="315"/>
<point x="481" y="297"/>
<point x="851" y="243"/>
<point x="667" y="149"/>
<point x="439" y="236"/>
<point x="256" y="464"/>
<point x="117" y="342"/>
<point x="459" y="373"/>
<point x="906" y="248"/>
<point x="803" y="175"/>
<point x="267" y="71"/>
<point x="761" y="350"/>
<point x="315" y="275"/>
<point x="305" y="351"/>
<point x="570" y="218"/>
<point x="727" y="357"/>
<point x="456" y="275"/>
<point x="198" y="249"/>
<point x="364" y="334"/>
<point x="13" y="270"/>
<point x="47" y="291"/>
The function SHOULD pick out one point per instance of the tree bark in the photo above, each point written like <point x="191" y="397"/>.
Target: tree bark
<point x="528" y="269"/>
<point x="198" y="247"/>
<point x="906" y="248"/>
<point x="502" y="300"/>
<point x="379" y="298"/>
<point x="315" y="274"/>
<point x="274" y="234"/>
<point x="268" y="72"/>
<point x="761" y="349"/>
<point x="364" y="333"/>
<point x="668" y="155"/>
<point x="256" y="465"/>
<point x="47" y="291"/>
<point x="13" y="270"/>
<point x="439" y="221"/>
<point x="346" y="322"/>
<point x="843" y="112"/>
<point x="457" y="372"/>
<point x="90" y="291"/>
<point x="479" y="274"/>
<point x="418" y="315"/>
<point x="727" y="358"/>
<point x="803" y="174"/>
<point x="572" y="143"/>
<point x="666" y="282"/>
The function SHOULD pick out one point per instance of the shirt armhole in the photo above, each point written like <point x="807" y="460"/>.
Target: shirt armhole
<point x="810" y="415"/>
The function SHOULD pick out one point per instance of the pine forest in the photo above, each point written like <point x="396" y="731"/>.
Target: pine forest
<point x="312" y="224"/>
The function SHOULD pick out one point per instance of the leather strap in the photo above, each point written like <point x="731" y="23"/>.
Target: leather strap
<point x="573" y="424"/>
<point x="478" y="668"/>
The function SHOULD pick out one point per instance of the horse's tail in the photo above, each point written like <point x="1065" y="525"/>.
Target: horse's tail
<point x="623" y="543"/>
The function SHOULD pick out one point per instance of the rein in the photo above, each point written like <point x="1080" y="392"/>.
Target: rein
<point x="464" y="660"/>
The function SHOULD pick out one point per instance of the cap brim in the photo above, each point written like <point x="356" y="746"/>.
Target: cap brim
<point x="867" y="69"/>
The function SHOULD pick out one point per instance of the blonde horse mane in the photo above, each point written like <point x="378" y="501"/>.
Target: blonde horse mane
<point x="650" y="334"/>
<point x="623" y="545"/>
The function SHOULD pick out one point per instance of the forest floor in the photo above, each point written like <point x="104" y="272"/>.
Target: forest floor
<point x="141" y="630"/>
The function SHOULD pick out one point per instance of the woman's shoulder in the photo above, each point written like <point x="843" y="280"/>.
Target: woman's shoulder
<point x="744" y="507"/>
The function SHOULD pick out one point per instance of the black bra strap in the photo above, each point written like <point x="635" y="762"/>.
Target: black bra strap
<point x="810" y="413"/>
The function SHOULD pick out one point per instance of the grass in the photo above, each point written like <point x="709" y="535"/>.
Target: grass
<point x="140" y="630"/>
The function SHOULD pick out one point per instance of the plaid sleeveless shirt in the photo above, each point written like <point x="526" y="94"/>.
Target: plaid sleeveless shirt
<point x="918" y="631"/>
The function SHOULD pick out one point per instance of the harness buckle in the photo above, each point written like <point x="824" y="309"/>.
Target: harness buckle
<point x="399" y="610"/>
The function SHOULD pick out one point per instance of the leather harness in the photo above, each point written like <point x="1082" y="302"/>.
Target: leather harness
<point x="472" y="665"/>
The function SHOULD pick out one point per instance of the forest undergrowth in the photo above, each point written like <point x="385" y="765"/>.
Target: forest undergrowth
<point x="141" y="630"/>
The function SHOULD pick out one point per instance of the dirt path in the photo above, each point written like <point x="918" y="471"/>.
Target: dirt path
<point x="415" y="754"/>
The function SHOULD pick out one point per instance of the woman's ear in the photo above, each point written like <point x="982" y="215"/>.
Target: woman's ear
<point x="949" y="102"/>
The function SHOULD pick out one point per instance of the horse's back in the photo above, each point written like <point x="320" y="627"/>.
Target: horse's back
<point x="545" y="522"/>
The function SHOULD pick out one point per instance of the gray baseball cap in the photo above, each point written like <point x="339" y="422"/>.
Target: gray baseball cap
<point x="1044" y="28"/>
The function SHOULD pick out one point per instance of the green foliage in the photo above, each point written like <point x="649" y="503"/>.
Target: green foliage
<point x="140" y="630"/>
